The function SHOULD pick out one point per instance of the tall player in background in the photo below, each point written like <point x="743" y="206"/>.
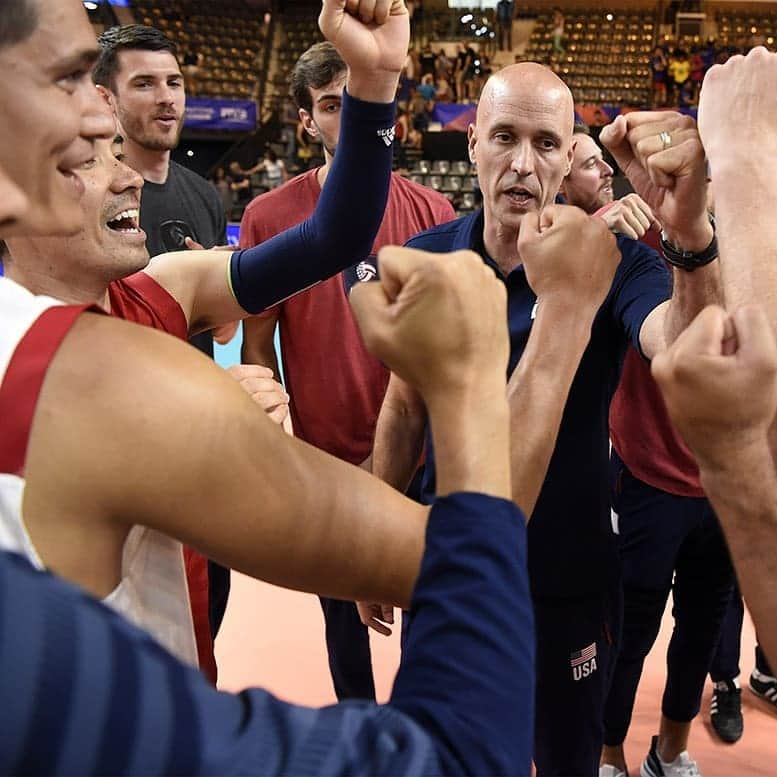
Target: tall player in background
<point x="335" y="385"/>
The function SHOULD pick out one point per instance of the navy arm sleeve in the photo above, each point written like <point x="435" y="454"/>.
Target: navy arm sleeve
<point x="85" y="692"/>
<point x="467" y="670"/>
<point x="341" y="230"/>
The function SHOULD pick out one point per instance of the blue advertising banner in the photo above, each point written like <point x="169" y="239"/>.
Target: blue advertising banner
<point x="212" y="114"/>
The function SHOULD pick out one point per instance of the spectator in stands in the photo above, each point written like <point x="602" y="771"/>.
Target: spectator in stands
<point x="504" y="24"/>
<point x="240" y="183"/>
<point x="658" y="68"/>
<point x="273" y="169"/>
<point x="697" y="73"/>
<point x="191" y="67"/>
<point x="223" y="187"/>
<point x="428" y="91"/>
<point x="419" y="110"/>
<point x="465" y="56"/>
<point x="444" y="93"/>
<point x="557" y="32"/>
<point x="319" y="341"/>
<point x="427" y="59"/>
<point x="680" y="75"/>
<point x="289" y="121"/>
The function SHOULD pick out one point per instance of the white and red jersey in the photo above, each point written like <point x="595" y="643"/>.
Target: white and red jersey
<point x="152" y="592"/>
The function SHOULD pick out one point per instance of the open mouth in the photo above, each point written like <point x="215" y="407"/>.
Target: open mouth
<point x="520" y="195"/>
<point x="126" y="222"/>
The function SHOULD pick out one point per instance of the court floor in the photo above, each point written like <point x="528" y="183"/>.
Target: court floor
<point x="275" y="639"/>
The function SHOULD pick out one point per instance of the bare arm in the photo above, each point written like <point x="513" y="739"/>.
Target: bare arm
<point x="744" y="495"/>
<point x="719" y="381"/>
<point x="570" y="260"/>
<point x="537" y="393"/>
<point x="258" y="340"/>
<point x="399" y="434"/>
<point x="269" y="508"/>
<point x="662" y="155"/>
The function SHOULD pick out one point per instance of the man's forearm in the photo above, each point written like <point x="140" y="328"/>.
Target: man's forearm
<point x="744" y="496"/>
<point x="471" y="435"/>
<point x="691" y="293"/>
<point x="399" y="435"/>
<point x="747" y="234"/>
<point x="537" y="394"/>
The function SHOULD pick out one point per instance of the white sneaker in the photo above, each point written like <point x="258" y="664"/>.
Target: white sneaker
<point x="608" y="770"/>
<point x="682" y="766"/>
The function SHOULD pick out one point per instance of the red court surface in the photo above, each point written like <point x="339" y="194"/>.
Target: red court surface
<point x="275" y="639"/>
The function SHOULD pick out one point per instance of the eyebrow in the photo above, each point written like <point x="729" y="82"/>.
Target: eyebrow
<point x="329" y="97"/>
<point x="83" y="58"/>
<point x="593" y="156"/>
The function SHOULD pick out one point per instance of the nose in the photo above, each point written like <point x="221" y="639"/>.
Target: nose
<point x="97" y="121"/>
<point x="125" y="178"/>
<point x="523" y="159"/>
<point x="605" y="170"/>
<point x="165" y="95"/>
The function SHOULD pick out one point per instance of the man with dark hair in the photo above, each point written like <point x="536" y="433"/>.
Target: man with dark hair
<point x="139" y="75"/>
<point x="320" y="341"/>
<point x="96" y="696"/>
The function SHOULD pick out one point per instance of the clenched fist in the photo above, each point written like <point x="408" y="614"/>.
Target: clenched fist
<point x="438" y="320"/>
<point x="719" y="381"/>
<point x="568" y="256"/>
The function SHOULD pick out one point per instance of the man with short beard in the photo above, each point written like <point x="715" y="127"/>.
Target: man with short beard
<point x="139" y="75"/>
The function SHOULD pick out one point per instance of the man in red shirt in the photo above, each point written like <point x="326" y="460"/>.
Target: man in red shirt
<point x="336" y="387"/>
<point x="665" y="525"/>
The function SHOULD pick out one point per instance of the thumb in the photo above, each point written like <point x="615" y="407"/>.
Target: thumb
<point x="706" y="333"/>
<point x="331" y="18"/>
<point x="613" y="138"/>
<point x="193" y="245"/>
<point x="371" y="308"/>
<point x="753" y="333"/>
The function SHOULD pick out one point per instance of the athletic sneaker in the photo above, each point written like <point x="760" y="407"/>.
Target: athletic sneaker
<point x="764" y="686"/>
<point x="726" y="711"/>
<point x="682" y="766"/>
<point x="608" y="770"/>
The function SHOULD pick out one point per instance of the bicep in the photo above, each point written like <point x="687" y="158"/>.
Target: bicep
<point x="199" y="281"/>
<point x="652" y="337"/>
<point x="195" y="459"/>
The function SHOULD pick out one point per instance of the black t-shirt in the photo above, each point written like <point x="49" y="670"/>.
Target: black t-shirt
<point x="185" y="205"/>
<point x="427" y="62"/>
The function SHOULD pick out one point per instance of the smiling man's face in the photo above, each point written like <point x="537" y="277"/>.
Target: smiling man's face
<point x="50" y="117"/>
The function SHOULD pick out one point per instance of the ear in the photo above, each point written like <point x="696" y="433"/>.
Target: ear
<point x="570" y="157"/>
<point x="308" y="123"/>
<point x="108" y="96"/>
<point x="472" y="138"/>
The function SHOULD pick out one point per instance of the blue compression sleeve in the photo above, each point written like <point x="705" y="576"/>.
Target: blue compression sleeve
<point x="467" y="670"/>
<point x="341" y="230"/>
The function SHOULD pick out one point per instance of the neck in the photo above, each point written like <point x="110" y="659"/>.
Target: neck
<point x="38" y="279"/>
<point x="501" y="244"/>
<point x="153" y="165"/>
<point x="323" y="171"/>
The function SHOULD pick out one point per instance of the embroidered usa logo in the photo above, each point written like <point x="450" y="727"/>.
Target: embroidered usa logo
<point x="583" y="662"/>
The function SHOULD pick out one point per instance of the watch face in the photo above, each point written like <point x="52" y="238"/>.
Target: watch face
<point x="174" y="232"/>
<point x="362" y="272"/>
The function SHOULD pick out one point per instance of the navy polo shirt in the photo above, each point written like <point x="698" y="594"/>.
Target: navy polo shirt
<point x="571" y="546"/>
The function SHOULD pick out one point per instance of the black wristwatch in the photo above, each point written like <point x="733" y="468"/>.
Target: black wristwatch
<point x="688" y="260"/>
